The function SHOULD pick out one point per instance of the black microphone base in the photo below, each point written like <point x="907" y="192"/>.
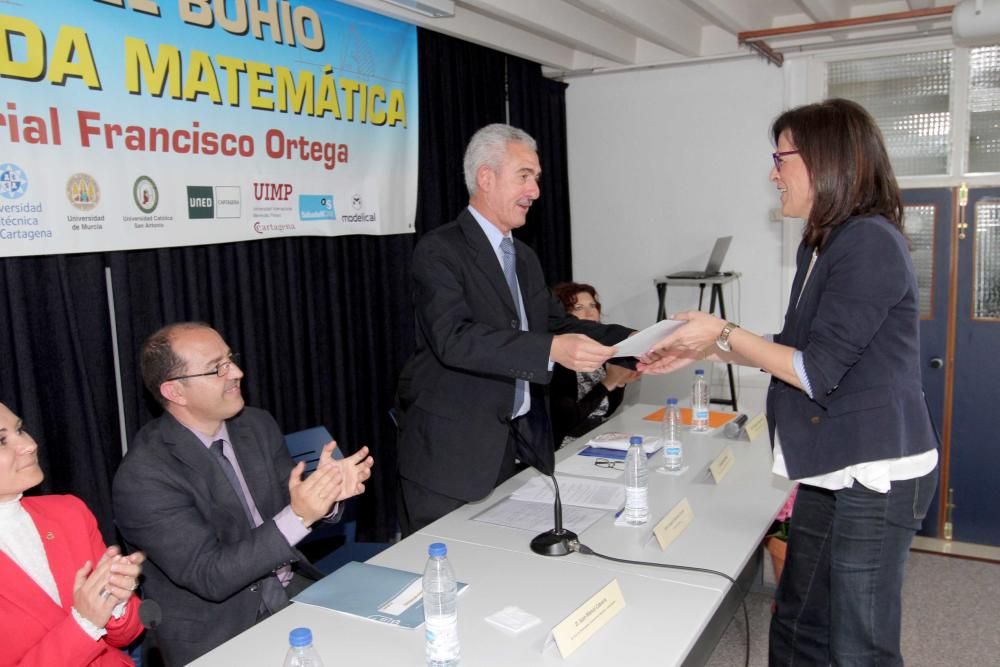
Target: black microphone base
<point x="551" y="543"/>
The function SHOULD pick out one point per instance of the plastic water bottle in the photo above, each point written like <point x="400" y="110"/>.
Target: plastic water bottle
<point x="673" y="448"/>
<point x="440" y="610"/>
<point x="699" y="402"/>
<point x="300" y="649"/>
<point x="636" y="483"/>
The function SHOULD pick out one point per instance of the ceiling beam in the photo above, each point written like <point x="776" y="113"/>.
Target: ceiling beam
<point x="670" y="25"/>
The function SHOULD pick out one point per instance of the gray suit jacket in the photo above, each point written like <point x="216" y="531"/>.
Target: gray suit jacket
<point x="457" y="391"/>
<point x="205" y="563"/>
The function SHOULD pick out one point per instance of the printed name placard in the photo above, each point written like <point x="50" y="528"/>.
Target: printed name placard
<point x="673" y="524"/>
<point x="722" y="464"/>
<point x="755" y="427"/>
<point x="593" y="615"/>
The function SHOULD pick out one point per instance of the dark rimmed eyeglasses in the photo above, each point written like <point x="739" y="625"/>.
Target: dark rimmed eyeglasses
<point x="780" y="154"/>
<point x="613" y="464"/>
<point x="222" y="370"/>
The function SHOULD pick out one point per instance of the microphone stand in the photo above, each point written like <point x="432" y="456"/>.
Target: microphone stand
<point x="555" y="542"/>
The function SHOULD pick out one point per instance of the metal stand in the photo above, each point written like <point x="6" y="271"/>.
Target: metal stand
<point x="715" y="295"/>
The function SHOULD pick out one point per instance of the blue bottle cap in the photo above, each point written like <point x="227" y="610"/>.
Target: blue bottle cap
<point x="300" y="637"/>
<point x="437" y="549"/>
<point x="699" y="372"/>
<point x="635" y="440"/>
<point x="671" y="401"/>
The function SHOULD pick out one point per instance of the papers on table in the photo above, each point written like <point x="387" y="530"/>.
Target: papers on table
<point x="575" y="491"/>
<point x="621" y="441"/>
<point x="537" y="517"/>
<point x="640" y="343"/>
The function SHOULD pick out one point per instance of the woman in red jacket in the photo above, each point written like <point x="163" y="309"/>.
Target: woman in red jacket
<point x="66" y="599"/>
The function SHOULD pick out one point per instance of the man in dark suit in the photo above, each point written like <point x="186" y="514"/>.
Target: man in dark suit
<point x="488" y="331"/>
<point x="210" y="493"/>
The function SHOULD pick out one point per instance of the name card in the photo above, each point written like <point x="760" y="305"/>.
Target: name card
<point x="722" y="465"/>
<point x="756" y="426"/>
<point x="673" y="524"/>
<point x="583" y="623"/>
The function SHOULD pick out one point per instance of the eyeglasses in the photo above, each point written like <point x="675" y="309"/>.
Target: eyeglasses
<point x="611" y="464"/>
<point x="780" y="154"/>
<point x="222" y="370"/>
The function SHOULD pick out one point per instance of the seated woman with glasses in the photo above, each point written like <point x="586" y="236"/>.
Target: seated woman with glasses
<point x="67" y="599"/>
<point x="583" y="401"/>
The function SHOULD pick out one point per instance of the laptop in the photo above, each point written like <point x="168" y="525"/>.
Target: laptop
<point x="714" y="265"/>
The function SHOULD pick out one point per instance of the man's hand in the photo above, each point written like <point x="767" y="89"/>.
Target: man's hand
<point x="313" y="498"/>
<point x="355" y="470"/>
<point x="579" y="352"/>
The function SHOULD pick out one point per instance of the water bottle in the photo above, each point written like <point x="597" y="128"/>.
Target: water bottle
<point x="699" y="402"/>
<point x="440" y="611"/>
<point x="636" y="483"/>
<point x="673" y="449"/>
<point x="300" y="649"/>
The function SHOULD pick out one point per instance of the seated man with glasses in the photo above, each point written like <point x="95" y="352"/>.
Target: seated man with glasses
<point x="209" y="492"/>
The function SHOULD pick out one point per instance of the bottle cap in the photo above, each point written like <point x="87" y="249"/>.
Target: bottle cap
<point x="671" y="401"/>
<point x="635" y="440"/>
<point x="700" y="371"/>
<point x="300" y="637"/>
<point x="437" y="549"/>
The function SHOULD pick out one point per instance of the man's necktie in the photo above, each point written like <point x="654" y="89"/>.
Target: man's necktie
<point x="510" y="273"/>
<point x="272" y="592"/>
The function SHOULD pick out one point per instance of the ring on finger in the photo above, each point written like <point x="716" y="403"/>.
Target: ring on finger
<point x="104" y="593"/>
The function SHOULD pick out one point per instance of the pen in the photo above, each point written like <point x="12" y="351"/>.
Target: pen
<point x="619" y="512"/>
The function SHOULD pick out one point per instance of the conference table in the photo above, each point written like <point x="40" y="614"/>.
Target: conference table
<point x="670" y="617"/>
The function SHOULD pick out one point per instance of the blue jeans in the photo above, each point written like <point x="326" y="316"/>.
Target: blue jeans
<point x="838" y="601"/>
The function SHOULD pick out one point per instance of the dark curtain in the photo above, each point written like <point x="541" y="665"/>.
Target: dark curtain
<point x="57" y="372"/>
<point x="538" y="106"/>
<point x="461" y="90"/>
<point x="324" y="324"/>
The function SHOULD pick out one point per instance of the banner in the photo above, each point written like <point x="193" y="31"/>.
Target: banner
<point x="153" y="123"/>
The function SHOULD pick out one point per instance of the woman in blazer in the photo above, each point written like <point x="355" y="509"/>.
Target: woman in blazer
<point x="66" y="599"/>
<point x="845" y="406"/>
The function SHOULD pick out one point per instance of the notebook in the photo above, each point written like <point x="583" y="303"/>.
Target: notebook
<point x="714" y="266"/>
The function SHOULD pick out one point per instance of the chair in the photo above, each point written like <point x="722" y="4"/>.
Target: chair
<point x="329" y="545"/>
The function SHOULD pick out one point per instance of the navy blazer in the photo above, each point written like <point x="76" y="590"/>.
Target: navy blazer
<point x="457" y="391"/>
<point x="857" y="325"/>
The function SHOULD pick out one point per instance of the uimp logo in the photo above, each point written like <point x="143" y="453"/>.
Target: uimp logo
<point x="13" y="181"/>
<point x="272" y="191"/>
<point x="82" y="191"/>
<point x="145" y="194"/>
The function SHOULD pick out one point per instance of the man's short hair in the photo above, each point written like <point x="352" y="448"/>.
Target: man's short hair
<point x="158" y="361"/>
<point x="487" y="147"/>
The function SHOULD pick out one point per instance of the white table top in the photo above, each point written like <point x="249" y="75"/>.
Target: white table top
<point x="666" y="610"/>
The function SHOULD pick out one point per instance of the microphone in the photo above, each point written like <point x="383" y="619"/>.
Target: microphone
<point x="150" y="615"/>
<point x="558" y="541"/>
<point x="734" y="428"/>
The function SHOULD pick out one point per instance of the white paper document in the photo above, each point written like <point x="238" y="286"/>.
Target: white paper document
<point x="537" y="517"/>
<point x="621" y="441"/>
<point x="575" y="491"/>
<point x="639" y="344"/>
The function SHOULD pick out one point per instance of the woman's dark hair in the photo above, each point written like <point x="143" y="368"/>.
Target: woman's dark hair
<point x="851" y="175"/>
<point x="567" y="293"/>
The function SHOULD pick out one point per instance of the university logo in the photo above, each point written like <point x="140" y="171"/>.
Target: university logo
<point x="82" y="191"/>
<point x="13" y="181"/>
<point x="145" y="194"/>
<point x="272" y="191"/>
<point x="206" y="202"/>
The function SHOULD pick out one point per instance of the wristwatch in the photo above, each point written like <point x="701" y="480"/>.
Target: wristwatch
<point x="722" y="342"/>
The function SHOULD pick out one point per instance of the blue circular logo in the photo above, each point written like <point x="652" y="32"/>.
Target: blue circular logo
<point x="13" y="181"/>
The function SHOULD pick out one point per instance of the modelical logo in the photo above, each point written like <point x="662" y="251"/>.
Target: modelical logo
<point x="13" y="181"/>
<point x="82" y="191"/>
<point x="145" y="194"/>
<point x="316" y="207"/>
<point x="356" y="202"/>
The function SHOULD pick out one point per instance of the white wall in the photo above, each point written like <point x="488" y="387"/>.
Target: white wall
<point x="661" y="163"/>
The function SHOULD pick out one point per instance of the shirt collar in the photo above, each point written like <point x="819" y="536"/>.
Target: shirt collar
<point x="493" y="234"/>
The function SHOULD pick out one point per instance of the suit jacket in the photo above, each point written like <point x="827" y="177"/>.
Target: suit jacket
<point x="205" y="564"/>
<point x="457" y="391"/>
<point x="857" y="324"/>
<point x="571" y="412"/>
<point x="40" y="632"/>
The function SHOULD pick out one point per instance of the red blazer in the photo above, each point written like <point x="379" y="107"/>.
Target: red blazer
<point x="40" y="632"/>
